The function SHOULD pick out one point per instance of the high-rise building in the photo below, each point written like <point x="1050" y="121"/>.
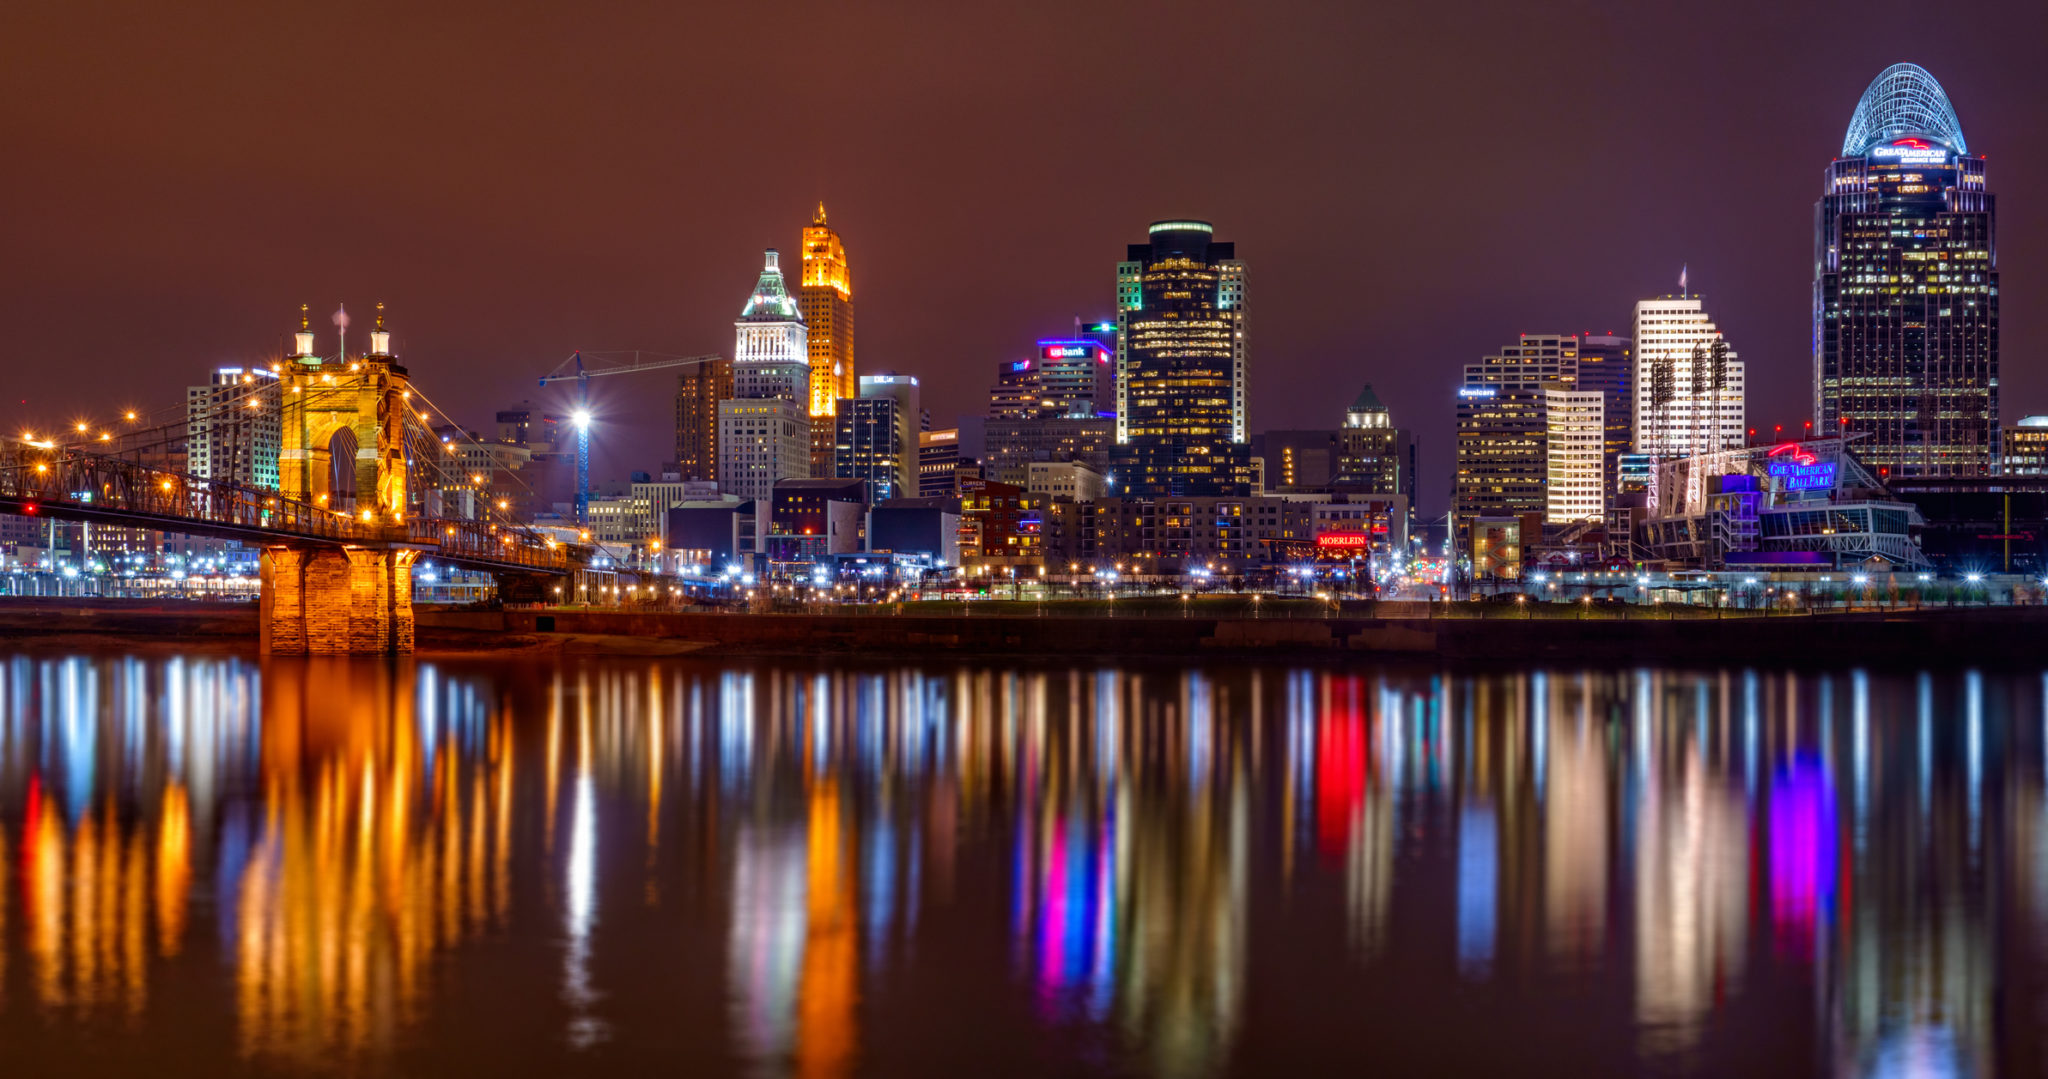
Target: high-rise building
<point x="764" y="431"/>
<point x="1689" y="393"/>
<point x="234" y="427"/>
<point x="1063" y="379"/>
<point x="699" y="388"/>
<point x="1015" y="393"/>
<point x="826" y="295"/>
<point x="1373" y="455"/>
<point x="877" y="437"/>
<point x="1502" y="458"/>
<point x="1607" y="364"/>
<point x="1905" y="287"/>
<point x="938" y="458"/>
<point x="1575" y="453"/>
<point x="1076" y="378"/>
<point x="1181" y="349"/>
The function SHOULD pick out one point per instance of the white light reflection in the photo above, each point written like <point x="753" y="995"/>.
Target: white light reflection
<point x="580" y="887"/>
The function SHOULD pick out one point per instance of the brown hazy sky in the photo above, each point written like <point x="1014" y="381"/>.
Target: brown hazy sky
<point x="1411" y="185"/>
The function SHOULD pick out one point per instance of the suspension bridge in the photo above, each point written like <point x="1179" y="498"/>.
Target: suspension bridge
<point x="360" y="475"/>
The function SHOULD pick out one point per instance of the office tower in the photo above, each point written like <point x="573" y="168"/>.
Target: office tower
<point x="1574" y="453"/>
<point x="1607" y="364"/>
<point x="938" y="458"/>
<point x="699" y="388"/>
<point x="234" y="427"/>
<point x="826" y="296"/>
<point x="1502" y="461"/>
<point x="876" y="436"/>
<point x="1373" y="455"/>
<point x="1905" y="287"/>
<point x="1181" y="349"/>
<point x="1076" y="378"/>
<point x="1063" y="379"/>
<point x="1049" y="407"/>
<point x="1688" y="384"/>
<point x="764" y="431"/>
<point x="1015" y="393"/>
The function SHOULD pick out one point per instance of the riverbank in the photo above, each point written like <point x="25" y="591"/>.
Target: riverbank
<point x="1462" y="633"/>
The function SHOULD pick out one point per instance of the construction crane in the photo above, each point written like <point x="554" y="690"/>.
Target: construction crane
<point x="575" y="369"/>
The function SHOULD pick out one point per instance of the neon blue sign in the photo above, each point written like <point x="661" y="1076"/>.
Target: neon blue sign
<point x="1804" y="476"/>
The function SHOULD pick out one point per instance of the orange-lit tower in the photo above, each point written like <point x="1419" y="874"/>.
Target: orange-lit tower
<point x="826" y="299"/>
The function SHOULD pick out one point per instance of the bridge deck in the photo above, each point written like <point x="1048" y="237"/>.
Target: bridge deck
<point x="68" y="485"/>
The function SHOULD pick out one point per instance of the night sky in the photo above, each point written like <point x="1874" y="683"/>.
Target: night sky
<point x="1411" y="185"/>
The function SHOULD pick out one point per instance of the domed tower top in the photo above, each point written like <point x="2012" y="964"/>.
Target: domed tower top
<point x="1903" y="100"/>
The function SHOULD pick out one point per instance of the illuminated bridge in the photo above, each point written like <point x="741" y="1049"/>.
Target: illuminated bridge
<point x="349" y="516"/>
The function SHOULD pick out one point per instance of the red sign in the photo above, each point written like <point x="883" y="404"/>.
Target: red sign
<point x="1793" y="448"/>
<point x="1346" y="540"/>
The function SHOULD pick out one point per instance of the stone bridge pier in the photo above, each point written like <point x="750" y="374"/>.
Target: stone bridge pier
<point x="336" y="601"/>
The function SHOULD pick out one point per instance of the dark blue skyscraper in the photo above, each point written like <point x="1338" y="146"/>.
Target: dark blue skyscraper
<point x="1905" y="287"/>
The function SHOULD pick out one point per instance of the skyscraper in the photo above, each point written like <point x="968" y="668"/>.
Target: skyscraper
<point x="1574" y="454"/>
<point x="1502" y="462"/>
<point x="1689" y="393"/>
<point x="1607" y="364"/>
<point x="764" y="432"/>
<point x="234" y="427"/>
<point x="699" y="388"/>
<point x="877" y="437"/>
<point x="1181" y="349"/>
<point x="1905" y="287"/>
<point x="826" y="296"/>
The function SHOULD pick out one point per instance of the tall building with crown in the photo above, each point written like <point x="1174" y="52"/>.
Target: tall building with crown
<point x="825" y="295"/>
<point x="764" y="430"/>
<point x="1181" y="349"/>
<point x="1905" y="287"/>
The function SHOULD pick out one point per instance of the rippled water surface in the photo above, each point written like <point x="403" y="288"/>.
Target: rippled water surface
<point x="210" y="865"/>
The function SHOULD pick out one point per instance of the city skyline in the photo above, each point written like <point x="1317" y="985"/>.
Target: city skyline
<point x="487" y="290"/>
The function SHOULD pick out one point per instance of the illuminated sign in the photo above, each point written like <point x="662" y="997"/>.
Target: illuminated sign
<point x="1476" y="391"/>
<point x="1021" y="365"/>
<point x="1067" y="352"/>
<point x="1911" y="152"/>
<point x="1344" y="540"/>
<point x="1805" y="477"/>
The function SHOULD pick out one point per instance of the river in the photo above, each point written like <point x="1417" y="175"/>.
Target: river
<point x="210" y="865"/>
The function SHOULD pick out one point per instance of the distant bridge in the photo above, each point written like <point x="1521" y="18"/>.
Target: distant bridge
<point x="341" y="533"/>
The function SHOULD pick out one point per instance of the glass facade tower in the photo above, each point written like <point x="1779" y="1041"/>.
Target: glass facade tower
<point x="1905" y="287"/>
<point x="1181" y="348"/>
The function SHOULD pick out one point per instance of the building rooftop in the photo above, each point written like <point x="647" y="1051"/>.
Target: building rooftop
<point x="1903" y="100"/>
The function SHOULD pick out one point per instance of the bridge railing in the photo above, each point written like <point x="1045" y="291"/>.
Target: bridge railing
<point x="488" y="542"/>
<point x="158" y="497"/>
<point x="63" y="476"/>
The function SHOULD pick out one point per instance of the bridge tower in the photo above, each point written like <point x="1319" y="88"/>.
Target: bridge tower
<point x="344" y="448"/>
<point x="344" y="425"/>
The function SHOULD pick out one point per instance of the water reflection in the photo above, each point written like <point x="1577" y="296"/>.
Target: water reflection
<point x="1176" y="872"/>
